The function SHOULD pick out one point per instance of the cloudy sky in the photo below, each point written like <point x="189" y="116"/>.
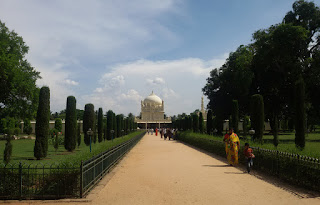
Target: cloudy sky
<point x="114" y="53"/>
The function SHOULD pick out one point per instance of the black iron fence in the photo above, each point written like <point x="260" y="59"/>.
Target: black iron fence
<point x="93" y="170"/>
<point x="56" y="181"/>
<point x="297" y="169"/>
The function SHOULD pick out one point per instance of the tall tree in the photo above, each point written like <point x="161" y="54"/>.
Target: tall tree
<point x="201" y="123"/>
<point x="300" y="116"/>
<point x="100" y="124"/>
<point x="109" y="124"/>
<point x="257" y="116"/>
<point x="70" y="139"/>
<point x="119" y="125"/>
<point x="88" y="122"/>
<point x="58" y="124"/>
<point x="195" y="120"/>
<point x="115" y="126"/>
<point x="19" y="95"/>
<point x="42" y="124"/>
<point x="79" y="134"/>
<point x="209" y="122"/>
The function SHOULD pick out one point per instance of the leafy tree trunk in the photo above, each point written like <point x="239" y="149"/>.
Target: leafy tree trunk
<point x="257" y="116"/>
<point x="70" y="137"/>
<point x="201" y="124"/>
<point x="100" y="123"/>
<point x="235" y="116"/>
<point x="300" y="115"/>
<point x="42" y="124"/>
<point x="88" y="122"/>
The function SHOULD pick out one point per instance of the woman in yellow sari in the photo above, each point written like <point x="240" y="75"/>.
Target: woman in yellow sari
<point x="232" y="147"/>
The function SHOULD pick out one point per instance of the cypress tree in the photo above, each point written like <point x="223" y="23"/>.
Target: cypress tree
<point x="257" y="116"/>
<point x="7" y="150"/>
<point x="100" y="123"/>
<point x="109" y="124"/>
<point x="115" y="126"/>
<point x="201" y="124"/>
<point x="79" y="134"/>
<point x="42" y="124"/>
<point x="235" y="115"/>
<point x="209" y="122"/>
<point x="58" y="124"/>
<point x="88" y="122"/>
<point x="70" y="137"/>
<point x="190" y="122"/>
<point x="300" y="113"/>
<point x="195" y="123"/>
<point x="118" y="118"/>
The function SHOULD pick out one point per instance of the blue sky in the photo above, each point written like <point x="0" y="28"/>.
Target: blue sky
<point x="114" y="53"/>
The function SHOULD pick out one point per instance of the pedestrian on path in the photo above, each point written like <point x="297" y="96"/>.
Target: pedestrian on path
<point x="156" y="131"/>
<point x="161" y="132"/>
<point x="248" y="153"/>
<point x="232" y="142"/>
<point x="165" y="133"/>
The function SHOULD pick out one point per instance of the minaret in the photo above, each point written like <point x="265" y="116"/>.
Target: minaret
<point x="202" y="107"/>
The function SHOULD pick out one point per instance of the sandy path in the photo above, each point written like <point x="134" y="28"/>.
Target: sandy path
<point x="168" y="172"/>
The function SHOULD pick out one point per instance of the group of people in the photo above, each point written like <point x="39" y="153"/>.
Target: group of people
<point x="164" y="133"/>
<point x="232" y="145"/>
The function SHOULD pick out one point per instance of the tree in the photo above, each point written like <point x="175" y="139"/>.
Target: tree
<point x="109" y="124"/>
<point x="257" y="116"/>
<point x="209" y="122"/>
<point x="58" y="124"/>
<point x="42" y="124"/>
<point x="70" y="140"/>
<point x="115" y="126"/>
<point x="201" y="123"/>
<point x="19" y="94"/>
<point x="88" y="122"/>
<point x="7" y="150"/>
<point x="119" y="125"/>
<point x="79" y="134"/>
<point x="300" y="116"/>
<point x="27" y="127"/>
<point x="100" y="123"/>
<point x="235" y="116"/>
<point x="195" y="123"/>
<point x="274" y="123"/>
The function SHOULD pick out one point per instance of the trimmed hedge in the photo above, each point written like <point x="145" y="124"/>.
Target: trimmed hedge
<point x="293" y="168"/>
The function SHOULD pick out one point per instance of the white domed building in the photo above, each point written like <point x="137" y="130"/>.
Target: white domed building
<point x="152" y="113"/>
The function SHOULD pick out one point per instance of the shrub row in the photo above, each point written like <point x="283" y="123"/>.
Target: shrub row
<point x="293" y="168"/>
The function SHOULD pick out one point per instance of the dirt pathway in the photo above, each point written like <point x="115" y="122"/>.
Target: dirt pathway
<point x="168" y="172"/>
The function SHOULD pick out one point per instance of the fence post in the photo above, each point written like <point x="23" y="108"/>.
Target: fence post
<point x="81" y="179"/>
<point x="20" y="179"/>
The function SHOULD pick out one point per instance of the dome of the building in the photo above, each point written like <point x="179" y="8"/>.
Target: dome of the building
<point x="153" y="99"/>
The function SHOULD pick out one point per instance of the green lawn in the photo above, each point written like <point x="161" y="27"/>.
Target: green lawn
<point x="286" y="143"/>
<point x="22" y="150"/>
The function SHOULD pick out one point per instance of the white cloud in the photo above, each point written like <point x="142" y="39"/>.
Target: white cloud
<point x="71" y="82"/>
<point x="177" y="82"/>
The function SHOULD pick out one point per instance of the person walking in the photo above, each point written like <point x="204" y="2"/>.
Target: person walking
<point x="232" y="142"/>
<point x="165" y="133"/>
<point x="161" y="132"/>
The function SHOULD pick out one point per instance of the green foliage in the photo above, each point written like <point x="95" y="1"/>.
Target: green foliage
<point x="209" y="122"/>
<point x="246" y="125"/>
<point x="19" y="93"/>
<point x="257" y="116"/>
<point x="56" y="142"/>
<point x="7" y="151"/>
<point x="109" y="124"/>
<point x="42" y="124"/>
<point x="100" y="124"/>
<point x="115" y="126"/>
<point x="70" y="141"/>
<point x="17" y="131"/>
<point x="88" y="122"/>
<point x="78" y="135"/>
<point x="195" y="120"/>
<point x="58" y="124"/>
<point x="27" y="127"/>
<point x="235" y="116"/>
<point x="201" y="123"/>
<point x="300" y="115"/>
<point x="119" y="125"/>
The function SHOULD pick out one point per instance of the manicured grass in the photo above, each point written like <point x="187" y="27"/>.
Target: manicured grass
<point x="286" y="143"/>
<point x="23" y="151"/>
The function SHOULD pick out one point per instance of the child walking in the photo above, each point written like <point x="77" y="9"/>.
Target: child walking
<point x="248" y="153"/>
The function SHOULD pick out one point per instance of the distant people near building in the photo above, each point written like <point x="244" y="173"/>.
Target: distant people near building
<point x="232" y="142"/>
<point x="165" y="133"/>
